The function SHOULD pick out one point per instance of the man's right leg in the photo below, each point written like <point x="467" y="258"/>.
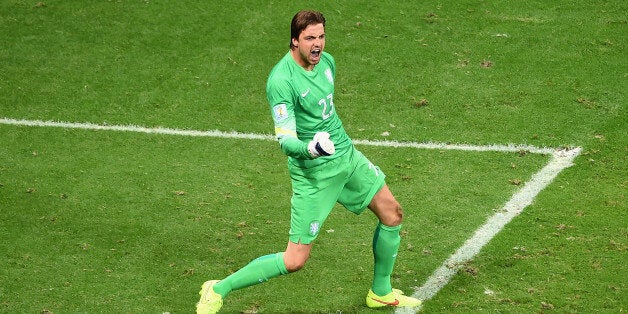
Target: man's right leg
<point x="266" y="267"/>
<point x="257" y="271"/>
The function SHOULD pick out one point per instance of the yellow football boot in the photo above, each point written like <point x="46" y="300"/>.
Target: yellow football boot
<point x="210" y="301"/>
<point x="395" y="298"/>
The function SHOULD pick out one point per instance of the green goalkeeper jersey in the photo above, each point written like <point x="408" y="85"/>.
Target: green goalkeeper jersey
<point x="302" y="103"/>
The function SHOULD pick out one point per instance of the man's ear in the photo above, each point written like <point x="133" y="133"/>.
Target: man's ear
<point x="295" y="42"/>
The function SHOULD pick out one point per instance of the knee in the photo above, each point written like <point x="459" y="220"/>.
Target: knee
<point x="393" y="215"/>
<point x="386" y="208"/>
<point x="294" y="263"/>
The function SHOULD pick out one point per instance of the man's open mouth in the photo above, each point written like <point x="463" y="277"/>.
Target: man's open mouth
<point x="316" y="53"/>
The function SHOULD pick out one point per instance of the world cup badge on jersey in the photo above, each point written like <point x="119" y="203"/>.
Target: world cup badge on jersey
<point x="280" y="112"/>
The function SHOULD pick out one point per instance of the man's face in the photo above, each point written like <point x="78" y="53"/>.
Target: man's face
<point x="310" y="46"/>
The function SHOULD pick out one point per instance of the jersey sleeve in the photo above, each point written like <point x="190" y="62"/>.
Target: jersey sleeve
<point x="281" y="100"/>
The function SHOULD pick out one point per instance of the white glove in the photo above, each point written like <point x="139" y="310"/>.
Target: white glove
<point x="321" y="145"/>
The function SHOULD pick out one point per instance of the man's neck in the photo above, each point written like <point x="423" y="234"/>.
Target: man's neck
<point x="297" y="58"/>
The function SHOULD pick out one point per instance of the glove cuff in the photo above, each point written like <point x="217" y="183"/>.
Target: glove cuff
<point x="320" y="150"/>
<point x="311" y="147"/>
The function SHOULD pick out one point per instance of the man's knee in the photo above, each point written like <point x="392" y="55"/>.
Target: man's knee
<point x="294" y="263"/>
<point x="386" y="207"/>
<point x="393" y="215"/>
<point x="390" y="212"/>
<point x="295" y="256"/>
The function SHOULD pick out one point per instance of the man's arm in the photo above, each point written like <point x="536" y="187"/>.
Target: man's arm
<point x="285" y="128"/>
<point x="281" y="100"/>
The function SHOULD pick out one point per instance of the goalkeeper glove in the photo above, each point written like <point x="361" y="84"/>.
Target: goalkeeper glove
<point x="321" y="145"/>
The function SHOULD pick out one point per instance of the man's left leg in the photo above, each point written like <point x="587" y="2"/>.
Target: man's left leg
<point x="385" y="246"/>
<point x="386" y="241"/>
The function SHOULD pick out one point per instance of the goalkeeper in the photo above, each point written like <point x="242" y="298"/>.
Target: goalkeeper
<point x="324" y="167"/>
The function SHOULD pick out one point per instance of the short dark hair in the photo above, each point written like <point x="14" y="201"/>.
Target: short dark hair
<point x="303" y="19"/>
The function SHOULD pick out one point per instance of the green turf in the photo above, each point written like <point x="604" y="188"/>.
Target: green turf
<point x="104" y="221"/>
<point x="142" y="218"/>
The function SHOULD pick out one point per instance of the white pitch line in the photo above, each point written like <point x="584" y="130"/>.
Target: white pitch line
<point x="464" y="147"/>
<point x="134" y="128"/>
<point x="238" y="135"/>
<point x="520" y="200"/>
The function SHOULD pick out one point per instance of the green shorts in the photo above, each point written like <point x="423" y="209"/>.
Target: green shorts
<point x="351" y="180"/>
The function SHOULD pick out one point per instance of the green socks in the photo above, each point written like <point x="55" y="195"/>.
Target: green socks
<point x="257" y="271"/>
<point x="385" y="246"/>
